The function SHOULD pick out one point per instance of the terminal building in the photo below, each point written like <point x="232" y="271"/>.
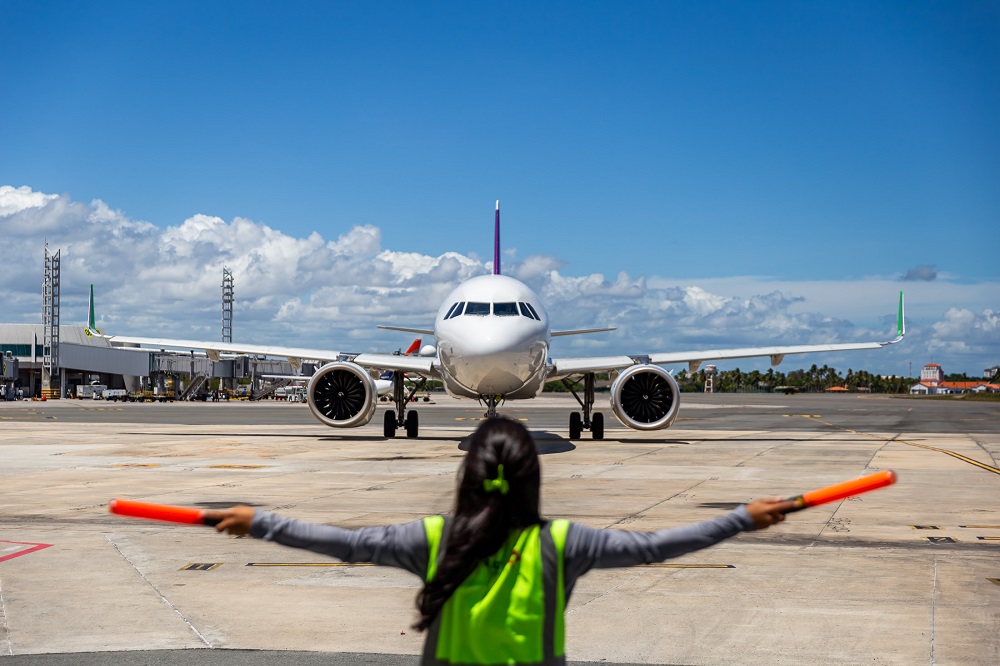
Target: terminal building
<point x="85" y="359"/>
<point x="49" y="360"/>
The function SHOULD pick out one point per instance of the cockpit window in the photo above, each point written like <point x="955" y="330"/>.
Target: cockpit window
<point x="477" y="308"/>
<point x="456" y="310"/>
<point x="532" y="311"/>
<point x="450" y="310"/>
<point x="505" y="309"/>
<point x="525" y="311"/>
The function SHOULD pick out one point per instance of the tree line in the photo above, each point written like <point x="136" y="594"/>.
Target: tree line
<point x="816" y="378"/>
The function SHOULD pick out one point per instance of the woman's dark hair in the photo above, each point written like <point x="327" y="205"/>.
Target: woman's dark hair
<point x="483" y="518"/>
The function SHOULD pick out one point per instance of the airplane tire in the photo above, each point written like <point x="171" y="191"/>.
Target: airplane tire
<point x="389" y="423"/>
<point x="597" y="425"/>
<point x="575" y="425"/>
<point x="412" y="424"/>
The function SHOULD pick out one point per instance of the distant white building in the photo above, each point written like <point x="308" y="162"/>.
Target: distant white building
<point x="932" y="383"/>
<point x="932" y="374"/>
<point x="990" y="373"/>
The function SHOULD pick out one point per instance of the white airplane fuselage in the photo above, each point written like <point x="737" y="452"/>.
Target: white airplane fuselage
<point x="492" y="338"/>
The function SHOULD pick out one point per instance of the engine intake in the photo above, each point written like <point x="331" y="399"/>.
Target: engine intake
<point x="645" y="397"/>
<point x="342" y="395"/>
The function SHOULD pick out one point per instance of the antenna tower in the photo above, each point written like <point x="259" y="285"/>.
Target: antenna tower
<point x="227" y="305"/>
<point x="50" y="324"/>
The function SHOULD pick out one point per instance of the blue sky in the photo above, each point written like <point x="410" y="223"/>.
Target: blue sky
<point x="818" y="151"/>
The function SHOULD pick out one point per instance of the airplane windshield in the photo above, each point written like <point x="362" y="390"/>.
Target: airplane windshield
<point x="477" y="308"/>
<point x="505" y="309"/>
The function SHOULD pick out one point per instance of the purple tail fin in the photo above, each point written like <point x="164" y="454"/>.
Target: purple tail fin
<point x="496" y="243"/>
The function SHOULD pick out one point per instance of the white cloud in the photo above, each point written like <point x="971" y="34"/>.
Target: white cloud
<point x="17" y="199"/>
<point x="332" y="293"/>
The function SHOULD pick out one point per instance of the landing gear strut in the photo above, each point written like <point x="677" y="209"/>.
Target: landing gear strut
<point x="491" y="404"/>
<point x="391" y="422"/>
<point x="594" y="422"/>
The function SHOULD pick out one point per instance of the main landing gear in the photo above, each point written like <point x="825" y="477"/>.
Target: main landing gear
<point x="594" y="422"/>
<point x="408" y="420"/>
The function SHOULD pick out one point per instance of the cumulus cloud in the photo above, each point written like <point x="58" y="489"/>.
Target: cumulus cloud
<point x="17" y="199"/>
<point x="331" y="293"/>
<point x="923" y="272"/>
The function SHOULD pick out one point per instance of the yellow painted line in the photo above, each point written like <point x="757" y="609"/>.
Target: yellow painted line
<point x="310" y="564"/>
<point x="671" y="565"/>
<point x="200" y="566"/>
<point x="988" y="538"/>
<point x="235" y="467"/>
<point x="988" y="468"/>
<point x="995" y="581"/>
<point x="981" y="527"/>
<point x="925" y="527"/>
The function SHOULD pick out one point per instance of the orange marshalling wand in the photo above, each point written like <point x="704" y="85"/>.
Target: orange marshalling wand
<point x="150" y="511"/>
<point x="841" y="490"/>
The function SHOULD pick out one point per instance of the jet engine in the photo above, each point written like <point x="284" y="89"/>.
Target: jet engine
<point x="645" y="397"/>
<point x="342" y="395"/>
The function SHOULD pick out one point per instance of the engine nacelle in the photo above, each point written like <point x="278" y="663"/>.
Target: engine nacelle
<point x="342" y="395"/>
<point x="645" y="397"/>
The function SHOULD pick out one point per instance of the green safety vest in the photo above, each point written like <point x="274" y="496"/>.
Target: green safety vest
<point x="510" y="609"/>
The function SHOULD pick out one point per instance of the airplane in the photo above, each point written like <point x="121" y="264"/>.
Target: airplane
<point x="492" y="344"/>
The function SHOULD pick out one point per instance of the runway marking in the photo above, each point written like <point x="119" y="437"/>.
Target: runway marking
<point x="995" y="581"/>
<point x="941" y="539"/>
<point x="988" y="538"/>
<point x="310" y="564"/>
<point x="981" y="527"/>
<point x="988" y="468"/>
<point x="671" y="565"/>
<point x="925" y="527"/>
<point x="200" y="566"/>
<point x="24" y="551"/>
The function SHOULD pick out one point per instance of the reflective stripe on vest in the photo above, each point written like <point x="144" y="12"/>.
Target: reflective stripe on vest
<point x="510" y="609"/>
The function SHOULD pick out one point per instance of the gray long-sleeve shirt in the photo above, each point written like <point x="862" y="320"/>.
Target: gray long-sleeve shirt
<point x="405" y="545"/>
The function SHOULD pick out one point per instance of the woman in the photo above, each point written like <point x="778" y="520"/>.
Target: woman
<point x="497" y="575"/>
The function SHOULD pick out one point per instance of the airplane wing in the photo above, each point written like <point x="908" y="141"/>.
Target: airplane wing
<point x="407" y="329"/>
<point x="295" y="355"/>
<point x="581" y="331"/>
<point x="571" y="366"/>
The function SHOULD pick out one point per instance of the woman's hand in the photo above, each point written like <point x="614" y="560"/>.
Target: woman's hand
<point x="767" y="512"/>
<point x="235" y="520"/>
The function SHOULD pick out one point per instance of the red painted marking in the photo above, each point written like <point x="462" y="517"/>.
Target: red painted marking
<point x="37" y="546"/>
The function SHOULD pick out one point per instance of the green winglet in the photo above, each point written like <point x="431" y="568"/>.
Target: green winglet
<point x="900" y="324"/>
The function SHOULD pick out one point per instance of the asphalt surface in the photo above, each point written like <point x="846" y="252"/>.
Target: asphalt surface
<point x="905" y="575"/>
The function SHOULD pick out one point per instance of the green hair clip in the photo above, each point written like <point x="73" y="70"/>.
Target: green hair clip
<point x="498" y="484"/>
